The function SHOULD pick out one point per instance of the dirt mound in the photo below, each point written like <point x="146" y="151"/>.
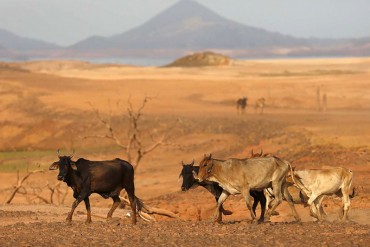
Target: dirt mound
<point x="201" y="59"/>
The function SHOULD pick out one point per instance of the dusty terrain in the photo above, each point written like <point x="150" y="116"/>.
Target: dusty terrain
<point x="49" y="105"/>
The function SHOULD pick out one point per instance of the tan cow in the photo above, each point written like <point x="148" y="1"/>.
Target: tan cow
<point x="240" y="176"/>
<point x="318" y="183"/>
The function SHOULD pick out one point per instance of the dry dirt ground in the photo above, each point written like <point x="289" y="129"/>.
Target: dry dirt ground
<point x="48" y="105"/>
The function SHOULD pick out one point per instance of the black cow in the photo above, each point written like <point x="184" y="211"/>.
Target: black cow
<point x="106" y="178"/>
<point x="188" y="181"/>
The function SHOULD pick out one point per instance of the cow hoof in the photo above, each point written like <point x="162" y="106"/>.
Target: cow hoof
<point x="88" y="222"/>
<point x="217" y="221"/>
<point x="227" y="212"/>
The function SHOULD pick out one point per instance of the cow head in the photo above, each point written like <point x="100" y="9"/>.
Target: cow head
<point x="65" y="165"/>
<point x="205" y="168"/>
<point x="188" y="179"/>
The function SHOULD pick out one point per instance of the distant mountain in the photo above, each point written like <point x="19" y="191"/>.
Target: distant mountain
<point x="188" y="26"/>
<point x="11" y="41"/>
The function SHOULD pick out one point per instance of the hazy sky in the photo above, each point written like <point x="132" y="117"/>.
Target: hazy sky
<point x="65" y="22"/>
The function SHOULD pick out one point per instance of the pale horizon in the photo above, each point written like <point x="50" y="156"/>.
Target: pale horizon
<point x="67" y="22"/>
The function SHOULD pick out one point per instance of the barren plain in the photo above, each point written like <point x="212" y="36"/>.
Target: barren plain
<point x="50" y="105"/>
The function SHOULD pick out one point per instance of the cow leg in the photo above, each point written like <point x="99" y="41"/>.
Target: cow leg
<point x="276" y="188"/>
<point x="268" y="198"/>
<point x="346" y="204"/>
<point x="217" y="191"/>
<point x="255" y="201"/>
<point x="312" y="199"/>
<point x="246" y="195"/>
<point x="262" y="200"/>
<point x="313" y="211"/>
<point x="74" y="206"/>
<point x="313" y="208"/>
<point x="290" y="201"/>
<point x="116" y="202"/>
<point x="217" y="217"/>
<point x="222" y="209"/>
<point x="317" y="205"/>
<point x="88" y="210"/>
<point x="131" y="197"/>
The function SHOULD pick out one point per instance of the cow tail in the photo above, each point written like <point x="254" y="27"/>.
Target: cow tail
<point x="354" y="193"/>
<point x="297" y="183"/>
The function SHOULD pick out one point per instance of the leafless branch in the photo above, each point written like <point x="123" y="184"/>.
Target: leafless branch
<point x="152" y="210"/>
<point x="19" y="184"/>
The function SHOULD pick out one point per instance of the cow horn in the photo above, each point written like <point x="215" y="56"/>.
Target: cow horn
<point x="192" y="163"/>
<point x="58" y="153"/>
<point x="182" y="162"/>
<point x="261" y="152"/>
<point x="252" y="153"/>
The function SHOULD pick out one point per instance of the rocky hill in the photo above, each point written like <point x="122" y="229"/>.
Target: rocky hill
<point x="201" y="59"/>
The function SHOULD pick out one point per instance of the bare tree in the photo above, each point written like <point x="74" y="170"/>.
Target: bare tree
<point x="134" y="147"/>
<point x="20" y="184"/>
<point x="36" y="192"/>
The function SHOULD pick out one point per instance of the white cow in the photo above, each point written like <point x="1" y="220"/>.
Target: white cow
<point x="318" y="183"/>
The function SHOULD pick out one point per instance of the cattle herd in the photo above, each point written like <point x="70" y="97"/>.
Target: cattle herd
<point x="265" y="177"/>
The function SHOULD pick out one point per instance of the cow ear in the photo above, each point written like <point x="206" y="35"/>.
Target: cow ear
<point x="54" y="166"/>
<point x="73" y="165"/>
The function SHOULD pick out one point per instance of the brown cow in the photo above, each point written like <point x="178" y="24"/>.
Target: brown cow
<point x="240" y="176"/>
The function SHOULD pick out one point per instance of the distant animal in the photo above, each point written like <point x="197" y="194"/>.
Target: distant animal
<point x="318" y="183"/>
<point x="106" y="178"/>
<point x="240" y="176"/>
<point x="188" y="181"/>
<point x="260" y="105"/>
<point x="241" y="104"/>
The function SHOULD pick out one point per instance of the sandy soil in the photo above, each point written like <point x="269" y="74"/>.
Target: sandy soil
<point x="48" y="105"/>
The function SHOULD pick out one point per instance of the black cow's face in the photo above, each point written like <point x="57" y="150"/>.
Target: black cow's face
<point x="187" y="176"/>
<point x="65" y="164"/>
